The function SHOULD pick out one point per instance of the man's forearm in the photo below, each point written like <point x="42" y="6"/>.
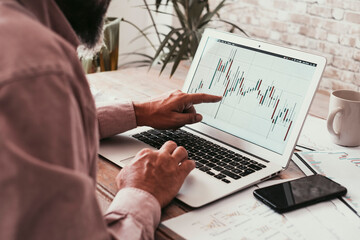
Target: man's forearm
<point x="115" y="119"/>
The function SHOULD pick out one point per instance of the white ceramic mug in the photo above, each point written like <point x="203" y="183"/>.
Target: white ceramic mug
<point x="343" y="121"/>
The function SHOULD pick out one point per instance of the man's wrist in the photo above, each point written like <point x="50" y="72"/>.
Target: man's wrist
<point x="141" y="113"/>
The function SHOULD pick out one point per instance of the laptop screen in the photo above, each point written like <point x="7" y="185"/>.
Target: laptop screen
<point x="262" y="91"/>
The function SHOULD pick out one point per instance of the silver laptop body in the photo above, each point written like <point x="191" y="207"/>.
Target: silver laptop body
<point x="267" y="91"/>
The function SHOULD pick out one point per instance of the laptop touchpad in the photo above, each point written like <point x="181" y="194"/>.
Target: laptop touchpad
<point x="120" y="148"/>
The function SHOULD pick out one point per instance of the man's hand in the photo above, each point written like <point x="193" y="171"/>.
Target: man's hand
<point x="160" y="173"/>
<point x="172" y="111"/>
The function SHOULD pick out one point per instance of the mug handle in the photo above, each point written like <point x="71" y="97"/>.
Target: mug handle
<point x="330" y="121"/>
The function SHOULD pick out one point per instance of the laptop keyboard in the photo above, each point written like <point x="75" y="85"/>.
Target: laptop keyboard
<point x="209" y="157"/>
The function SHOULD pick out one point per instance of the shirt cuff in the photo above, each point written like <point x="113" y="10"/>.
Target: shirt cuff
<point x="141" y="205"/>
<point x="116" y="119"/>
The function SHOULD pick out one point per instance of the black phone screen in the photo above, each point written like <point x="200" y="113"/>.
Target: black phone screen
<point x="300" y="192"/>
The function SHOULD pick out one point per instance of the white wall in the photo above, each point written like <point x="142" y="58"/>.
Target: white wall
<point x="131" y="10"/>
<point x="330" y="28"/>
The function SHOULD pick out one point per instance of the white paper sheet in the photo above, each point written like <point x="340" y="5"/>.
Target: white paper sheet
<point x="342" y="167"/>
<point x="315" y="135"/>
<point x="242" y="216"/>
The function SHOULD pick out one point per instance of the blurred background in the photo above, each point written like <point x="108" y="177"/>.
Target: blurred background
<point x="330" y="28"/>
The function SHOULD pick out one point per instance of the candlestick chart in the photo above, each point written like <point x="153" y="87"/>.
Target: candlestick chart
<point x="261" y="98"/>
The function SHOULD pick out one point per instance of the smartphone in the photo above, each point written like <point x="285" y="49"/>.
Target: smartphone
<point x="298" y="193"/>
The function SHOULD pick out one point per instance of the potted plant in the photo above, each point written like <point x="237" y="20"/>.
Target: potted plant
<point x="104" y="56"/>
<point x="180" y="42"/>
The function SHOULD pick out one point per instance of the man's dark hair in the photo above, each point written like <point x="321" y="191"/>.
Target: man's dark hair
<point x="86" y="18"/>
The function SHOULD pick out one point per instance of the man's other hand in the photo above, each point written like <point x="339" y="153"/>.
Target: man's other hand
<point x="160" y="173"/>
<point x="172" y="111"/>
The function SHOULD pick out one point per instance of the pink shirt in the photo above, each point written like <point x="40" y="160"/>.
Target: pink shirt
<point x="49" y="130"/>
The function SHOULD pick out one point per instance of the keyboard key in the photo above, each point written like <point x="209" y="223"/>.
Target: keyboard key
<point x="261" y="165"/>
<point x="155" y="132"/>
<point x="204" y="169"/>
<point x="220" y="176"/>
<point x="220" y="157"/>
<point x="198" y="165"/>
<point x="207" y="150"/>
<point x="201" y="154"/>
<point x="218" y="168"/>
<point x="229" y="167"/>
<point x="158" y="146"/>
<point x="247" y="172"/>
<point x="242" y="167"/>
<point x="237" y="159"/>
<point x="213" y="153"/>
<point x="207" y="157"/>
<point x="225" y="180"/>
<point x="203" y="161"/>
<point x="255" y="167"/>
<point x="221" y="164"/>
<point x="232" y="163"/>
<point x="230" y="174"/>
<point x="213" y="160"/>
<point x="226" y="160"/>
<point x="237" y="171"/>
<point x="237" y="164"/>
<point x="210" y="173"/>
<point x="210" y="165"/>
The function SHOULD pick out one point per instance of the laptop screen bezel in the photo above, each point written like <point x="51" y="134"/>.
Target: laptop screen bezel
<point x="251" y="148"/>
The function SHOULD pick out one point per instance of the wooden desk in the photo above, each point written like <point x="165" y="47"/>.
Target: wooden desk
<point x="141" y="84"/>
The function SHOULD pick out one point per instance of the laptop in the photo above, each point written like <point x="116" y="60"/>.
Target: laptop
<point x="247" y="137"/>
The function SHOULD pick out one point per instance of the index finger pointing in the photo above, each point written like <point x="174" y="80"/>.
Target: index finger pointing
<point x="196" y="98"/>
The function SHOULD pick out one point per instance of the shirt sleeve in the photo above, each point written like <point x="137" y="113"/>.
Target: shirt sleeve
<point x="116" y="118"/>
<point x="133" y="214"/>
<point x="46" y="156"/>
<point x="45" y="160"/>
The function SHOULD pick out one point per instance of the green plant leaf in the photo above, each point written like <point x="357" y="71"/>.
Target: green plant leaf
<point x="164" y="42"/>
<point x="179" y="57"/>
<point x="181" y="17"/>
<point x="171" y="53"/>
<point x="179" y="43"/>
<point x="158" y="3"/>
<point x="209" y="15"/>
<point x="194" y="43"/>
<point x="195" y="12"/>
<point x="152" y="20"/>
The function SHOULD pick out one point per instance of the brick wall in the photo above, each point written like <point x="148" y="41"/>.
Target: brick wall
<point x="330" y="28"/>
